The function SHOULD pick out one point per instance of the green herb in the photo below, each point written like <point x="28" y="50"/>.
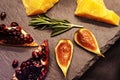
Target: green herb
<point x="57" y="26"/>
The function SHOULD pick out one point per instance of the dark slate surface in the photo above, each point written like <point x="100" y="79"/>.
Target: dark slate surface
<point x="106" y="36"/>
<point x="108" y="68"/>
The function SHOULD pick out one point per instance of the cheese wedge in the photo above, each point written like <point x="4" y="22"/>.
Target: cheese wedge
<point x="96" y="9"/>
<point x="34" y="7"/>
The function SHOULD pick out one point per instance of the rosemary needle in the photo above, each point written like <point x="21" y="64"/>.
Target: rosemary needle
<point x="57" y="26"/>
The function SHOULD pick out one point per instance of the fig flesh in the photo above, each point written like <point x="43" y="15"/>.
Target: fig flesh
<point x="85" y="38"/>
<point x="64" y="52"/>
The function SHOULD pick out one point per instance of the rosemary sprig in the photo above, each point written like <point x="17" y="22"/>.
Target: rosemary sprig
<point x="57" y="26"/>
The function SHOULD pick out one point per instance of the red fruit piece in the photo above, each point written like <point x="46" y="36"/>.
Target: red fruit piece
<point x="36" y="67"/>
<point x="15" y="63"/>
<point x="15" y="36"/>
<point x="13" y="24"/>
<point x="3" y="15"/>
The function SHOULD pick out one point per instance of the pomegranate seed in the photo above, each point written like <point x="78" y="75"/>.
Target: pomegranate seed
<point x="15" y="63"/>
<point x="3" y="15"/>
<point x="2" y="26"/>
<point x="28" y="38"/>
<point x="34" y="54"/>
<point x="13" y="24"/>
<point x="18" y="28"/>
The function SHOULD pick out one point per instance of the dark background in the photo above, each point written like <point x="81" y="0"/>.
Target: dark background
<point x="107" y="68"/>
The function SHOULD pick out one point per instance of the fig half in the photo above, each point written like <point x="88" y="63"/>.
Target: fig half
<point x="85" y="38"/>
<point x="64" y="52"/>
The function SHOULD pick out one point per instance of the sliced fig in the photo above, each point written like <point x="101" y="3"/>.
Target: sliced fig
<point x="64" y="52"/>
<point x="36" y="67"/>
<point x="85" y="38"/>
<point x="15" y="36"/>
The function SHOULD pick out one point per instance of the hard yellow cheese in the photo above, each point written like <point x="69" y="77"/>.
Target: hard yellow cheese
<point x="34" y="7"/>
<point x="96" y="9"/>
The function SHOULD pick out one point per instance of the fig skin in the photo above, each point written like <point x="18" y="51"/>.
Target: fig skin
<point x="64" y="53"/>
<point x="86" y="39"/>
